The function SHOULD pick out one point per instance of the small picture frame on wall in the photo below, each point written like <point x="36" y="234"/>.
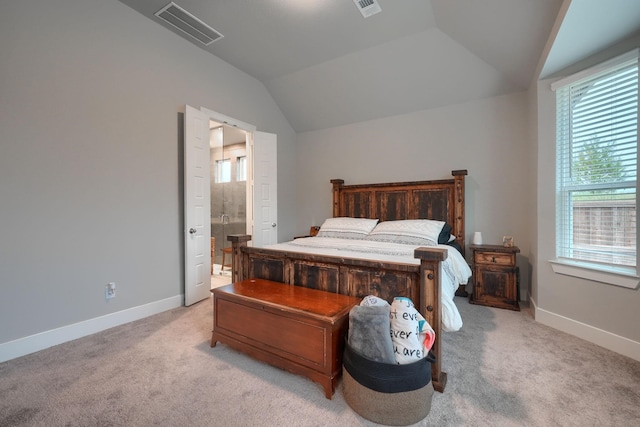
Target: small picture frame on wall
<point x="507" y="241"/>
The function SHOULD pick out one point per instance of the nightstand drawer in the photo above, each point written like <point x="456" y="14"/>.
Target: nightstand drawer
<point x="496" y="258"/>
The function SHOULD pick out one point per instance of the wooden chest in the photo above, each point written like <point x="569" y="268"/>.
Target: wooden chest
<point x="495" y="276"/>
<point x="294" y="328"/>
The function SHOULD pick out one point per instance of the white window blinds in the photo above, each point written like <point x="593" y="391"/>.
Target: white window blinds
<point x="597" y="140"/>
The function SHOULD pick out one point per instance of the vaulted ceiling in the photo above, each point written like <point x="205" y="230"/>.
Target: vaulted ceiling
<point x="325" y="65"/>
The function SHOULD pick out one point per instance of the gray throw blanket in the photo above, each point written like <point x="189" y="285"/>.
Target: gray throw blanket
<point x="369" y="333"/>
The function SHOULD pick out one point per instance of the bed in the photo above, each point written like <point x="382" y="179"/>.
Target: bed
<point x="419" y="272"/>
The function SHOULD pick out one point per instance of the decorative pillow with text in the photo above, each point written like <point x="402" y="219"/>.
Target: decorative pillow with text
<point x="411" y="334"/>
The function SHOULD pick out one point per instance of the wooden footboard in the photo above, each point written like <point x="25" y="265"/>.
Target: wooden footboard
<point x="353" y="277"/>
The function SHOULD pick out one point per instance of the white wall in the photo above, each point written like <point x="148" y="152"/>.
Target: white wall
<point x="489" y="138"/>
<point x="605" y="314"/>
<point x="90" y="160"/>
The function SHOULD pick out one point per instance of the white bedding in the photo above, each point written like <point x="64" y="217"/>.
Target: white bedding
<point x="455" y="269"/>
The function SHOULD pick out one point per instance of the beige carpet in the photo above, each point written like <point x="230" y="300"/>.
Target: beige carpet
<point x="504" y="370"/>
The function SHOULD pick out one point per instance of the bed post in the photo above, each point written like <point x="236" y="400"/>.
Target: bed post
<point x="458" y="178"/>
<point x="337" y="183"/>
<point x="430" y="305"/>
<point x="238" y="270"/>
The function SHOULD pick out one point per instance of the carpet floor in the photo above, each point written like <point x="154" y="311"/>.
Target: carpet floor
<point x="504" y="369"/>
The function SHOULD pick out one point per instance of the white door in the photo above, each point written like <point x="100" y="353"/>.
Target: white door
<point x="265" y="188"/>
<point x="197" y="207"/>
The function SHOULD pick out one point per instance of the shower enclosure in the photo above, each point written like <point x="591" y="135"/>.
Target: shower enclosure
<point x="228" y="151"/>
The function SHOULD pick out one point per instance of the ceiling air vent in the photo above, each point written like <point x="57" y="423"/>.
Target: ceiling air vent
<point x="187" y="23"/>
<point x="368" y="7"/>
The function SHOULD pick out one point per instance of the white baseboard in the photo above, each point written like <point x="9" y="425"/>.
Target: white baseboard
<point x="31" y="344"/>
<point x="605" y="339"/>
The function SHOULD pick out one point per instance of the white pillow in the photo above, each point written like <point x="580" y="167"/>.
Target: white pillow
<point x="347" y="227"/>
<point x="410" y="231"/>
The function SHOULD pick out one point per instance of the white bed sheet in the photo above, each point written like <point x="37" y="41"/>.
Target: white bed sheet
<point x="455" y="270"/>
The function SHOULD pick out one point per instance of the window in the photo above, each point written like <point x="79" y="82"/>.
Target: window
<point x="223" y="170"/>
<point x="597" y="141"/>
<point x="241" y="168"/>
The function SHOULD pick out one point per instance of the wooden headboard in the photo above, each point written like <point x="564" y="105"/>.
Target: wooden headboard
<point x="441" y="200"/>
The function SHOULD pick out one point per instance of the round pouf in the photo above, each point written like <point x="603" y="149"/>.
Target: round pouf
<point x="394" y="395"/>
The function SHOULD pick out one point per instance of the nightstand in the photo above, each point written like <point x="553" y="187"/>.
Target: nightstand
<point x="313" y="231"/>
<point x="495" y="276"/>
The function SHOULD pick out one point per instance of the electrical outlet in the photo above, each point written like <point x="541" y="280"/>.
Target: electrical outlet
<point x="110" y="290"/>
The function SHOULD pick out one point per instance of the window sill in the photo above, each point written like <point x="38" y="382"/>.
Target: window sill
<point x="624" y="279"/>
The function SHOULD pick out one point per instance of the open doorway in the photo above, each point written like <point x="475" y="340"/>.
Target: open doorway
<point x="261" y="196"/>
<point x="229" y="177"/>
